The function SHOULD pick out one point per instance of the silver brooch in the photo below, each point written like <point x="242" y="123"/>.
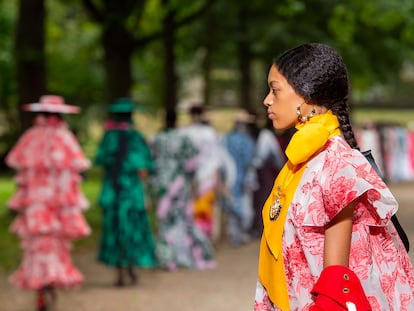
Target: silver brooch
<point x="276" y="207"/>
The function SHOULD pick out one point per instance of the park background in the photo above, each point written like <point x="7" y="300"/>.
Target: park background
<point x="167" y="54"/>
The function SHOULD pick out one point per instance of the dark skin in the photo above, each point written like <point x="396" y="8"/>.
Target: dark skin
<point x="143" y="175"/>
<point x="281" y="103"/>
<point x="338" y="238"/>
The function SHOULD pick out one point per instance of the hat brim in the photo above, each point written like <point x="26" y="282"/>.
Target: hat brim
<point x="53" y="108"/>
<point x="121" y="108"/>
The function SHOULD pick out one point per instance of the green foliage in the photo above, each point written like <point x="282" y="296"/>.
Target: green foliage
<point x="151" y="18"/>
<point x="374" y="37"/>
<point x="149" y="79"/>
<point x="377" y="47"/>
<point x="74" y="55"/>
<point x="7" y="87"/>
<point x="342" y="25"/>
<point x="9" y="243"/>
<point x="91" y="187"/>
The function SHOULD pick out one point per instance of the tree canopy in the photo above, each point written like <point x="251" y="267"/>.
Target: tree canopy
<point x="164" y="53"/>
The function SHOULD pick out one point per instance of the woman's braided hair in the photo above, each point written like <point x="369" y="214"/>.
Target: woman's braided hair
<point x="318" y="74"/>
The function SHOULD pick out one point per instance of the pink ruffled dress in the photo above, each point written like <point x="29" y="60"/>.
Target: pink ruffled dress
<point x="49" y="204"/>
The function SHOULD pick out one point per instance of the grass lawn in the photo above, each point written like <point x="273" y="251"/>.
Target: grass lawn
<point x="10" y="252"/>
<point x="9" y="244"/>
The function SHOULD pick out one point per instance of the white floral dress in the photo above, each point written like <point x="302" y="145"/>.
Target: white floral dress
<point x="335" y="177"/>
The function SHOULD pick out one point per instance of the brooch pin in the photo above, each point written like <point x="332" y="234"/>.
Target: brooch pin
<point x="276" y="207"/>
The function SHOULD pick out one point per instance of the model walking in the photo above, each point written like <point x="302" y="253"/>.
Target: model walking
<point x="180" y="242"/>
<point x="127" y="239"/>
<point x="48" y="201"/>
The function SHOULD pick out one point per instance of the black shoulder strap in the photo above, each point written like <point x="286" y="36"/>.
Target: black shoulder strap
<point x="394" y="219"/>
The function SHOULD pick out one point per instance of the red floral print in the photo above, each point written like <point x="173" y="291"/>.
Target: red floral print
<point x="334" y="178"/>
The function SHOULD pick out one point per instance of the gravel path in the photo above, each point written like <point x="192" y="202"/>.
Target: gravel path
<point x="230" y="286"/>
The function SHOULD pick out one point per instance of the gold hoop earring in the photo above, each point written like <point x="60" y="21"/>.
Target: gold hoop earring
<point x="303" y="118"/>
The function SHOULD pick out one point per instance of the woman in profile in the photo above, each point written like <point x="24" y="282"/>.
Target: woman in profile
<point x="328" y="241"/>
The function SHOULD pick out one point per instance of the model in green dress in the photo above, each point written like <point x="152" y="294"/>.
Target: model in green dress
<point x="127" y="240"/>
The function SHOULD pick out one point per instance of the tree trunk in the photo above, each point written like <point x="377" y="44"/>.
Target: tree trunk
<point x="30" y="55"/>
<point x="170" y="77"/>
<point x="118" y="47"/>
<point x="245" y="59"/>
<point x="245" y="75"/>
<point x="209" y="41"/>
<point x="207" y="77"/>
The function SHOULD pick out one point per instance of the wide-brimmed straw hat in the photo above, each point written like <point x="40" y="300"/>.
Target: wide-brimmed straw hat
<point x="51" y="103"/>
<point x="122" y="105"/>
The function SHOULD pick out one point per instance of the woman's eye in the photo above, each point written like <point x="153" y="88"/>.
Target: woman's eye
<point x="274" y="91"/>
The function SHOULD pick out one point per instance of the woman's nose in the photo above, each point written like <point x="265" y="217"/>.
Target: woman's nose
<point x="267" y="101"/>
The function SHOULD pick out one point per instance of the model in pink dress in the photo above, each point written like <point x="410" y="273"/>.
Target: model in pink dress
<point x="48" y="200"/>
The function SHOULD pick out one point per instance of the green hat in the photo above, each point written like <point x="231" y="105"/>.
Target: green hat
<point x="122" y="105"/>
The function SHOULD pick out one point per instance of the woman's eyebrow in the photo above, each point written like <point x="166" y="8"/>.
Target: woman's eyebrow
<point x="274" y="83"/>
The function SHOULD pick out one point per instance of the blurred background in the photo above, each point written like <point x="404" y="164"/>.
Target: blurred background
<point x="168" y="54"/>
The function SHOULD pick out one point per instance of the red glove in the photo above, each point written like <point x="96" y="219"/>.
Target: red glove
<point x="338" y="288"/>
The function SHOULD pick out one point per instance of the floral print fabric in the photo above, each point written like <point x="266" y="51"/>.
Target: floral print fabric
<point x="49" y="202"/>
<point x="180" y="242"/>
<point x="127" y="238"/>
<point x="334" y="178"/>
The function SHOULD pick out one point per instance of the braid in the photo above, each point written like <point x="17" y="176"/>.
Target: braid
<point x="341" y="110"/>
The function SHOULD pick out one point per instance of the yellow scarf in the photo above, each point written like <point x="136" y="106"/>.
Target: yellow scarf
<point x="311" y="136"/>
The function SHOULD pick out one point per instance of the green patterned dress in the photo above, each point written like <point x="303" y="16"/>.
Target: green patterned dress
<point x="127" y="239"/>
